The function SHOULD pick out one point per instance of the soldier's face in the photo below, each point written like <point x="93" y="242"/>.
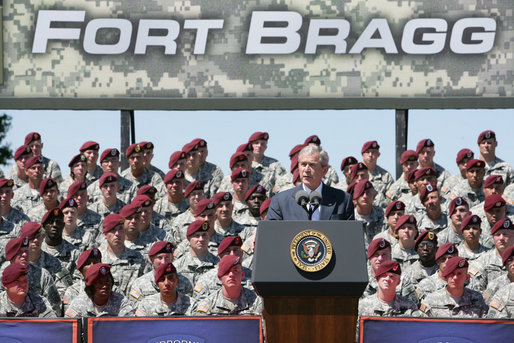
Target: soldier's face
<point x="443" y="259"/>
<point x="136" y="161"/>
<point x="91" y="157"/>
<point x="176" y="186"/>
<point x="311" y="170"/>
<point x="50" y="194"/>
<point x="102" y="287"/>
<point x="22" y="257"/>
<point x="255" y="201"/>
<point x="426" y="250"/>
<point x="503" y="239"/>
<point x="366" y="199"/>
<point x="36" y="147"/>
<point x="202" y="153"/>
<point x="195" y="196"/>
<point x="110" y="164"/>
<point x="495" y="188"/>
<point x="224" y="210"/>
<point x="475" y="177"/>
<point x="232" y="250"/>
<point x="241" y="164"/>
<point x="407" y="232"/>
<point x="208" y="216"/>
<point x="424" y="181"/>
<point x="380" y="257"/>
<point x="81" y="197"/>
<point x="199" y="241"/>
<point x="488" y="146"/>
<point x="36" y="171"/>
<point x="426" y="155"/>
<point x="116" y="237"/>
<point x="388" y="281"/>
<point x="495" y="214"/>
<point x="180" y="165"/>
<point x="21" y="161"/>
<point x="240" y="185"/>
<point x="234" y="277"/>
<point x="79" y="169"/>
<point x="459" y="214"/>
<point x="6" y="195"/>
<point x="148" y="156"/>
<point x="18" y="287"/>
<point x="409" y="165"/>
<point x="432" y="201"/>
<point x="394" y="216"/>
<point x="259" y="147"/>
<point x="53" y="227"/>
<point x="462" y="164"/>
<point x="192" y="159"/>
<point x="110" y="189"/>
<point x="168" y="284"/>
<point x="70" y="216"/>
<point x="458" y="278"/>
<point x="162" y="258"/>
<point x="471" y="233"/>
<point x="370" y="156"/>
<point x="347" y="170"/>
<point x="36" y="242"/>
<point x="361" y="175"/>
<point x="132" y="223"/>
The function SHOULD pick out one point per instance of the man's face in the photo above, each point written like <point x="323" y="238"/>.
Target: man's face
<point x="116" y="237"/>
<point x="53" y="227"/>
<point x="241" y="185"/>
<point x="209" y="215"/>
<point x="495" y="214"/>
<point x="70" y="216"/>
<point x="18" y="287"/>
<point x="432" y="201"/>
<point x="20" y="163"/>
<point x="110" y="189"/>
<point x="472" y="233"/>
<point x="175" y="186"/>
<point x="22" y="257"/>
<point x="132" y="223"/>
<point x="426" y="156"/>
<point x="36" y="242"/>
<point x="233" y="277"/>
<point x="110" y="164"/>
<point x="202" y="154"/>
<point x="259" y="147"/>
<point x="370" y="156"/>
<point x="50" y="194"/>
<point x="393" y="217"/>
<point x="180" y="165"/>
<point x="232" y="250"/>
<point x="162" y="258"/>
<point x="459" y="214"/>
<point x="388" y="281"/>
<point x="36" y="171"/>
<point x="148" y="156"/>
<point x="195" y="196"/>
<point x="488" y="146"/>
<point x="424" y="181"/>
<point x="495" y="188"/>
<point x="443" y="259"/>
<point x="36" y="147"/>
<point x="192" y="159"/>
<point x="255" y="201"/>
<point x="199" y="241"/>
<point x="168" y="284"/>
<point x="91" y="157"/>
<point x="509" y="264"/>
<point x="241" y="164"/>
<point x="366" y="199"/>
<point x="426" y="250"/>
<point x="347" y="170"/>
<point x="475" y="177"/>
<point x="81" y="197"/>
<point x="407" y="232"/>
<point x="409" y="165"/>
<point x="462" y="164"/>
<point x="6" y="195"/>
<point x="79" y="169"/>
<point x="458" y="278"/>
<point x="380" y="257"/>
<point x="503" y="239"/>
<point x="136" y="161"/>
<point x="102" y="287"/>
<point x="224" y="210"/>
<point x="146" y="215"/>
<point x="311" y="170"/>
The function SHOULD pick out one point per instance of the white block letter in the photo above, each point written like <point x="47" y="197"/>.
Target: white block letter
<point x="314" y="39"/>
<point x="90" y="45"/>
<point x="44" y="32"/>
<point x="202" y="27"/>
<point x="485" y="40"/>
<point x="385" y="41"/>
<point x="257" y="31"/>
<point x="144" y="39"/>
<point x="437" y="39"/>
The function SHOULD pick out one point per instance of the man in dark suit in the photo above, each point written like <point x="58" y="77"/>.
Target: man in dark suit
<point x="335" y="205"/>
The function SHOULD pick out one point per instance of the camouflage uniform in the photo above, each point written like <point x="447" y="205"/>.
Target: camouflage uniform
<point x="17" y="217"/>
<point x="372" y="223"/>
<point x="226" y="183"/>
<point x="486" y="238"/>
<point x="33" y="306"/>
<point x="404" y="257"/>
<point x="153" y="306"/>
<point x="490" y="263"/>
<point x="52" y="170"/>
<point x="233" y="229"/>
<point x="453" y="181"/>
<point x="502" y="304"/>
<point x="284" y="182"/>
<point x="66" y="252"/>
<point x="381" y="181"/>
<point x="441" y="304"/>
<point x="494" y="286"/>
<point x="398" y="188"/>
<point x="61" y="275"/>
<point x="94" y="175"/>
<point x="248" y="303"/>
<point x="147" y="178"/>
<point x="448" y="235"/>
<point x="82" y="238"/>
<point x="387" y="236"/>
<point x="372" y="286"/>
<point x="116" y="306"/>
<point x="412" y="276"/>
<point x="479" y="210"/>
<point x="415" y="207"/>
<point x="209" y="283"/>
<point x="158" y="171"/>
<point x="179" y="227"/>
<point x="425" y="223"/>
<point x="18" y="183"/>
<point x="499" y="167"/>
<point x="400" y="307"/>
<point x="125" y="268"/>
<point x="125" y="193"/>
<point x="146" y="239"/>
<point x="169" y="210"/>
<point x="211" y="175"/>
<point x="26" y="198"/>
<point x="429" y="285"/>
<point x="37" y="213"/>
<point x="89" y="220"/>
<point x="63" y="186"/>
<point x="330" y="178"/>
<point x="267" y="171"/>
<point x="7" y="232"/>
<point x="250" y="224"/>
<point x="145" y="286"/>
<point x="472" y="196"/>
<point x="102" y="209"/>
<point x="471" y="255"/>
<point x="192" y="267"/>
<point x="72" y="292"/>
<point x="441" y="175"/>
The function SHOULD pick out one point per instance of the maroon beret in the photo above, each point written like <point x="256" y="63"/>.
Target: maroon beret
<point x="13" y="272"/>
<point x="484" y="135"/>
<point x="446" y="248"/>
<point x="14" y="245"/>
<point x="221" y="196"/>
<point x="191" y="146"/>
<point x="408" y="155"/>
<point x="196" y="226"/>
<point x="46" y="184"/>
<point x="426" y="236"/>
<point x="396" y="205"/>
<point x="356" y="168"/>
<point x="69" y="202"/>
<point x="147" y="190"/>
<point x="33" y="160"/>
<point x="351" y="188"/>
<point x="264" y="206"/>
<point x="296" y="176"/>
<point x="107" y="178"/>
<point x="33" y="136"/>
<point x="143" y="200"/>
<point x="312" y="139"/>
<point x="130" y="209"/>
<point x="193" y="186"/>
<point x="475" y="164"/>
<point x="237" y="157"/>
<point x="454" y="263"/>
<point x="76" y="159"/>
<point x="295" y="150"/>
<point x="239" y="173"/>
<point x="405" y="219"/>
<point x="492" y="180"/>
<point x="75" y="187"/>
<point x="109" y="152"/>
<point x="226" y="264"/>
<point x="89" y="145"/>
<point x="96" y="271"/>
<point x="411" y="176"/>
<point x="493" y="201"/>
<point x="54" y="212"/>
<point x="161" y="247"/>
<point x="376" y="245"/>
<point x="22" y="150"/>
<point x="175" y="157"/>
<point x="255" y="189"/>
<point x="361" y="187"/>
<point x="173" y="174"/>
<point x="504" y="224"/>
<point x="348" y="161"/>
<point x="469" y="220"/>
<point x="30" y="230"/>
<point x="203" y="205"/>
<point x="245" y="147"/>
<point x="424" y="143"/>
<point x="294" y="163"/>
<point x="229" y="242"/>
<point x="507" y="254"/>
<point x="111" y="221"/>
<point x="164" y="269"/>
<point x="458" y="201"/>
<point x="199" y="142"/>
<point x="370" y="145"/>
<point x="426" y="191"/>
<point x="86" y="255"/>
<point x="132" y="149"/>
<point x="426" y="171"/>
<point x="146" y="145"/>
<point x="464" y="153"/>
<point x="258" y="135"/>
<point x="6" y="183"/>
<point x="388" y="267"/>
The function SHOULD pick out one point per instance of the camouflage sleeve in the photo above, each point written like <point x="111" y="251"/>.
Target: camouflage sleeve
<point x="48" y="312"/>
<point x="54" y="171"/>
<point x="50" y="292"/>
<point x="126" y="308"/>
<point x="200" y="307"/>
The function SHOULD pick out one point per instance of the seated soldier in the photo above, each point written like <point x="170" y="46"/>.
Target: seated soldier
<point x="232" y="298"/>
<point x="346" y="166"/>
<point x="86" y="218"/>
<point x="457" y="211"/>
<point x="90" y="150"/>
<point x="17" y="300"/>
<point x="250" y="219"/>
<point x="240" y="183"/>
<point x="80" y="237"/>
<point x="463" y="156"/>
<point x="494" y="185"/>
<point x="50" y="195"/>
<point x="78" y="171"/>
<point x="455" y="299"/>
<point x="470" y="248"/>
<point x="225" y="225"/>
<point x="138" y="174"/>
<point x="28" y="196"/>
<point x="407" y="232"/>
<point x="177" y="161"/>
<point x="99" y="299"/>
<point x="422" y="178"/>
<point x="148" y="157"/>
<point x="168" y="301"/>
<point x="426" y="152"/>
<point x="174" y="203"/>
<point x="52" y="169"/>
<point x="471" y="188"/>
<point x="109" y="202"/>
<point x="378" y="176"/>
<point x="372" y="217"/>
<point x="410" y="197"/>
<point x="379" y="251"/>
<point x="7" y="212"/>
<point x="209" y="173"/>
<point x="18" y="173"/>
<point x="503" y="280"/>
<point x="408" y="161"/>
<point x="487" y="145"/>
<point x="495" y="210"/>
<point x="434" y="218"/>
<point x="267" y="169"/>
<point x="393" y="212"/>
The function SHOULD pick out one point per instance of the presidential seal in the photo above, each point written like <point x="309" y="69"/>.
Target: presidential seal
<point x="311" y="250"/>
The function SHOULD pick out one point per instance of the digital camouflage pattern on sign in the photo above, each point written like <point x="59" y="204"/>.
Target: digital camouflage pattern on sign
<point x="66" y="70"/>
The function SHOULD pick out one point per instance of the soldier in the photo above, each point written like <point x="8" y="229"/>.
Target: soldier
<point x="379" y="251"/>
<point x="386" y="302"/>
<point x="393" y="212"/>
<point x="148" y="156"/>
<point x="28" y="196"/>
<point x="194" y="193"/>
<point x="254" y="198"/>
<point x="138" y="174"/>
<point x="407" y="232"/>
<point x="7" y="229"/>
<point x="209" y="173"/>
<point x="149" y="216"/>
<point x="457" y="211"/>
<point x="110" y="163"/>
<point x="494" y="185"/>
<point x="33" y="141"/>
<point x="487" y="145"/>
<point x="434" y="218"/>
<point x="422" y="178"/>
<point x="463" y="156"/>
<point x="109" y="202"/>
<point x="359" y="172"/>
<point x="246" y="148"/>
<point x="178" y="161"/>
<point x="454" y="300"/>
<point x="169" y="301"/>
<point x="471" y="188"/>
<point x="99" y="299"/>
<point x="127" y="264"/>
<point x="380" y="178"/>
<point x="18" y="300"/>
<point x="78" y="171"/>
<point x="50" y="195"/>
<point x="330" y="178"/>
<point x="285" y="181"/>
<point x="90" y="150"/>
<point x="426" y="152"/>
<point x="192" y="162"/>
<point x="149" y="191"/>
<point x="267" y="169"/>
<point x="346" y="166"/>
<point x="495" y="210"/>
<point x="174" y="203"/>
<point x="240" y="160"/>
<point x="470" y="247"/>
<point x="502" y="305"/>
<point x="18" y="173"/>
<point x="232" y="298"/>
<point x="409" y="161"/>
<point x="86" y="218"/>
<point x="372" y="217"/>
<point x="80" y="237"/>
<point x="240" y="183"/>
<point x="197" y="260"/>
<point x="7" y="212"/>
<point x="503" y="280"/>
<point x="224" y="224"/>
<point x="410" y="197"/>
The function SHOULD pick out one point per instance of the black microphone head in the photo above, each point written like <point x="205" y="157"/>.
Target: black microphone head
<point x="315" y="198"/>
<point x="301" y="197"/>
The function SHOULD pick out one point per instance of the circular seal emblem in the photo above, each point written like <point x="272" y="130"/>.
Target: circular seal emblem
<point x="311" y="250"/>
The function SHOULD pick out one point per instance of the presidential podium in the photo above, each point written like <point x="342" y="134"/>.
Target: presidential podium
<point x="310" y="275"/>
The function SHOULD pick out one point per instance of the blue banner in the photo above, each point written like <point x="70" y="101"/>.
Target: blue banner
<point x="175" y="330"/>
<point x="416" y="330"/>
<point x="38" y="330"/>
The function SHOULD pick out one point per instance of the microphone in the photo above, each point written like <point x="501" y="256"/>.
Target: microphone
<point x="302" y="199"/>
<point x="315" y="200"/>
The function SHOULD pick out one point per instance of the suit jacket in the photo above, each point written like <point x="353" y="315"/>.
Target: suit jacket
<point x="335" y="205"/>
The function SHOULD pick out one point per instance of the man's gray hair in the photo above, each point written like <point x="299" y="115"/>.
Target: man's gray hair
<point x="315" y="149"/>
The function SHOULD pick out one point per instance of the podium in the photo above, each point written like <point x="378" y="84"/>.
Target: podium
<point x="314" y="305"/>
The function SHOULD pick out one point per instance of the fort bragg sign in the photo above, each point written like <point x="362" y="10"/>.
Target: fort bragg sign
<point x="233" y="54"/>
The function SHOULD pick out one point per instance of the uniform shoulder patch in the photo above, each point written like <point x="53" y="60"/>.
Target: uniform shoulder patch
<point x="453" y="196"/>
<point x="134" y="293"/>
<point x="418" y="293"/>
<point x="473" y="271"/>
<point x="444" y="189"/>
<point x="486" y="296"/>
<point x="389" y="194"/>
<point x="423" y="308"/>
<point x="203" y="308"/>
<point x="71" y="313"/>
<point x="65" y="300"/>
<point x="495" y="304"/>
<point x="198" y="288"/>
<point x="246" y="247"/>
<point x="140" y="313"/>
